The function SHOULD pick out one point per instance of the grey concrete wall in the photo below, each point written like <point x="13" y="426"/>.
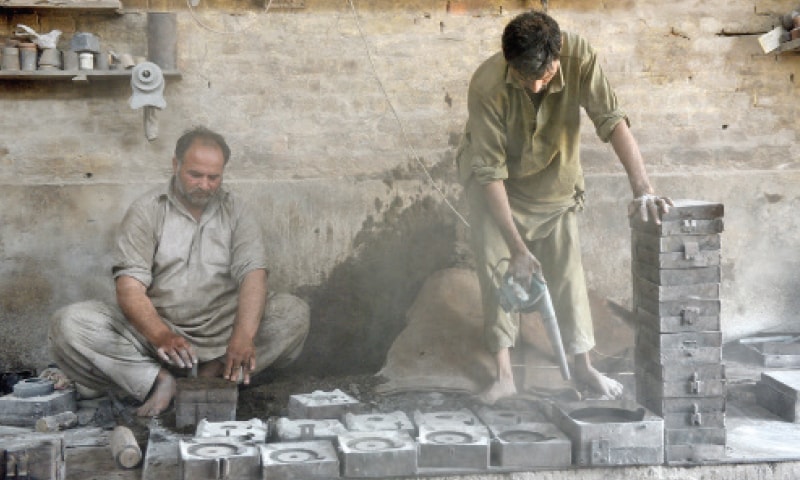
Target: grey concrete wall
<point x="353" y="224"/>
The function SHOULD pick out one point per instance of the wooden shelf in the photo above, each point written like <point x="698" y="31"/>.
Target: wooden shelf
<point x="75" y="75"/>
<point x="85" y="5"/>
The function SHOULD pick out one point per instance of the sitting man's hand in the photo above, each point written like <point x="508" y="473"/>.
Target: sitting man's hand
<point x="649" y="206"/>
<point x="59" y="378"/>
<point x="240" y="358"/>
<point x="176" y="350"/>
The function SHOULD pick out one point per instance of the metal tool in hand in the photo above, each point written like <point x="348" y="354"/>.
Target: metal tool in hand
<point x="514" y="298"/>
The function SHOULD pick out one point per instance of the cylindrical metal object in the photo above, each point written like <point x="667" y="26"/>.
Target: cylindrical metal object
<point x="70" y="59"/>
<point x="126" y="451"/>
<point x="55" y="423"/>
<point x="27" y="56"/>
<point x="101" y="61"/>
<point x="50" y="59"/>
<point x="162" y="39"/>
<point x="86" y="61"/>
<point x="10" y="59"/>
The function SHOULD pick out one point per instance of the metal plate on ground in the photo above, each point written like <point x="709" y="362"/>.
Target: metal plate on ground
<point x="292" y="460"/>
<point x="377" y="454"/>
<point x="453" y="447"/>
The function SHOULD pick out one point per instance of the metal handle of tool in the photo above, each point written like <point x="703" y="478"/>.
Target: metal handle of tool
<point x="545" y="308"/>
<point x="538" y="299"/>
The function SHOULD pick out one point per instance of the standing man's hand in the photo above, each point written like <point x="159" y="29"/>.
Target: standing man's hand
<point x="649" y="206"/>
<point x="175" y="350"/>
<point x="240" y="358"/>
<point x="522" y="266"/>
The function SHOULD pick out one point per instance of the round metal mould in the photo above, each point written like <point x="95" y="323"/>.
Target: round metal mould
<point x="607" y="415"/>
<point x="450" y="438"/>
<point x="294" y="455"/>
<point x="523" y="436"/>
<point x="33" y="387"/>
<point x="372" y="444"/>
<point x="214" y="450"/>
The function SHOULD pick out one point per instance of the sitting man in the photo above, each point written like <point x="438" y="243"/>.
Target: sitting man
<point x="191" y="286"/>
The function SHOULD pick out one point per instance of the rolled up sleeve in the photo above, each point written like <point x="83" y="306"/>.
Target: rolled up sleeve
<point x="598" y="97"/>
<point x="136" y="243"/>
<point x="248" y="251"/>
<point x="482" y="155"/>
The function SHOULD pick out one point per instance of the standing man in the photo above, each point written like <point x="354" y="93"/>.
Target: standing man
<point x="519" y="162"/>
<point x="191" y="282"/>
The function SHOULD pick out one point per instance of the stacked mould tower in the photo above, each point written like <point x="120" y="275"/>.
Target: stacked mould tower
<point x="679" y="371"/>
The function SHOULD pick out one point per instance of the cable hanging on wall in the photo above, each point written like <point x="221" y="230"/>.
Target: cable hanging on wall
<point x="410" y="147"/>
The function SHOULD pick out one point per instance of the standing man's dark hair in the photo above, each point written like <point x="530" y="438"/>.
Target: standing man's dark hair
<point x="206" y="136"/>
<point x="531" y="42"/>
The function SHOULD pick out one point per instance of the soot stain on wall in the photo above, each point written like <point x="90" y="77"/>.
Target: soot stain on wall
<point x="359" y="310"/>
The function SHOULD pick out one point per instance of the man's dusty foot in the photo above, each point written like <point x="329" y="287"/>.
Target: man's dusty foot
<point x="497" y="390"/>
<point x="605" y="386"/>
<point x="160" y="397"/>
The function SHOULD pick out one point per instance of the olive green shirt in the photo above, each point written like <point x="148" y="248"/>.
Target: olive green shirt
<point x="535" y="151"/>
<point x="192" y="269"/>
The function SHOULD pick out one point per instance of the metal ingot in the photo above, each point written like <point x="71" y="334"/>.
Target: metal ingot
<point x="291" y="460"/>
<point x="451" y="418"/>
<point x="33" y="387"/>
<point x="377" y="454"/>
<point x="453" y="447"/>
<point x="308" y="429"/>
<point x="530" y="445"/>
<point x="147" y="82"/>
<point x="218" y="459"/>
<point x="254" y="430"/>
<point x="611" y="432"/>
<point x="320" y="405"/>
<point x="376" y="422"/>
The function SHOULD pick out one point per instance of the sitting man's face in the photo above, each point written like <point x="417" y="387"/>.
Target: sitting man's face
<point x="199" y="175"/>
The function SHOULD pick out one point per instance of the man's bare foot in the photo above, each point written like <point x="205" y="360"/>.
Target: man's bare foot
<point x="605" y="386"/>
<point x="497" y="390"/>
<point x="160" y="397"/>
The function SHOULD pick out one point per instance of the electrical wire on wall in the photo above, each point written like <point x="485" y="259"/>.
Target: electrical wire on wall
<point x="192" y="3"/>
<point x="397" y="117"/>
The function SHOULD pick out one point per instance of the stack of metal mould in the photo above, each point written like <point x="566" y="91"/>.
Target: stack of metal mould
<point x="679" y="371"/>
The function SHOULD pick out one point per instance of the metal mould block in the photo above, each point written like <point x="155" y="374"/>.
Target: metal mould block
<point x="667" y="382"/>
<point x="211" y="398"/>
<point x="677" y="276"/>
<point x="691" y="436"/>
<point x="218" y="459"/>
<point x="377" y="454"/>
<point x="33" y="456"/>
<point x="376" y="422"/>
<point x="448" y="418"/>
<point x="693" y="454"/>
<point x="293" y="460"/>
<point x="689" y="320"/>
<point x="702" y="258"/>
<point x="321" y="404"/>
<point x="778" y="393"/>
<point x="534" y="445"/>
<point x="775" y="350"/>
<point x="253" y="430"/>
<point x="496" y="418"/>
<point x="24" y="411"/>
<point x="686" y="217"/>
<point x="686" y="244"/>
<point x="686" y="309"/>
<point x="289" y="430"/>
<point x="663" y="293"/>
<point x="611" y="433"/>
<point x="679" y="349"/>
<point x="453" y="447"/>
<point x="667" y="406"/>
